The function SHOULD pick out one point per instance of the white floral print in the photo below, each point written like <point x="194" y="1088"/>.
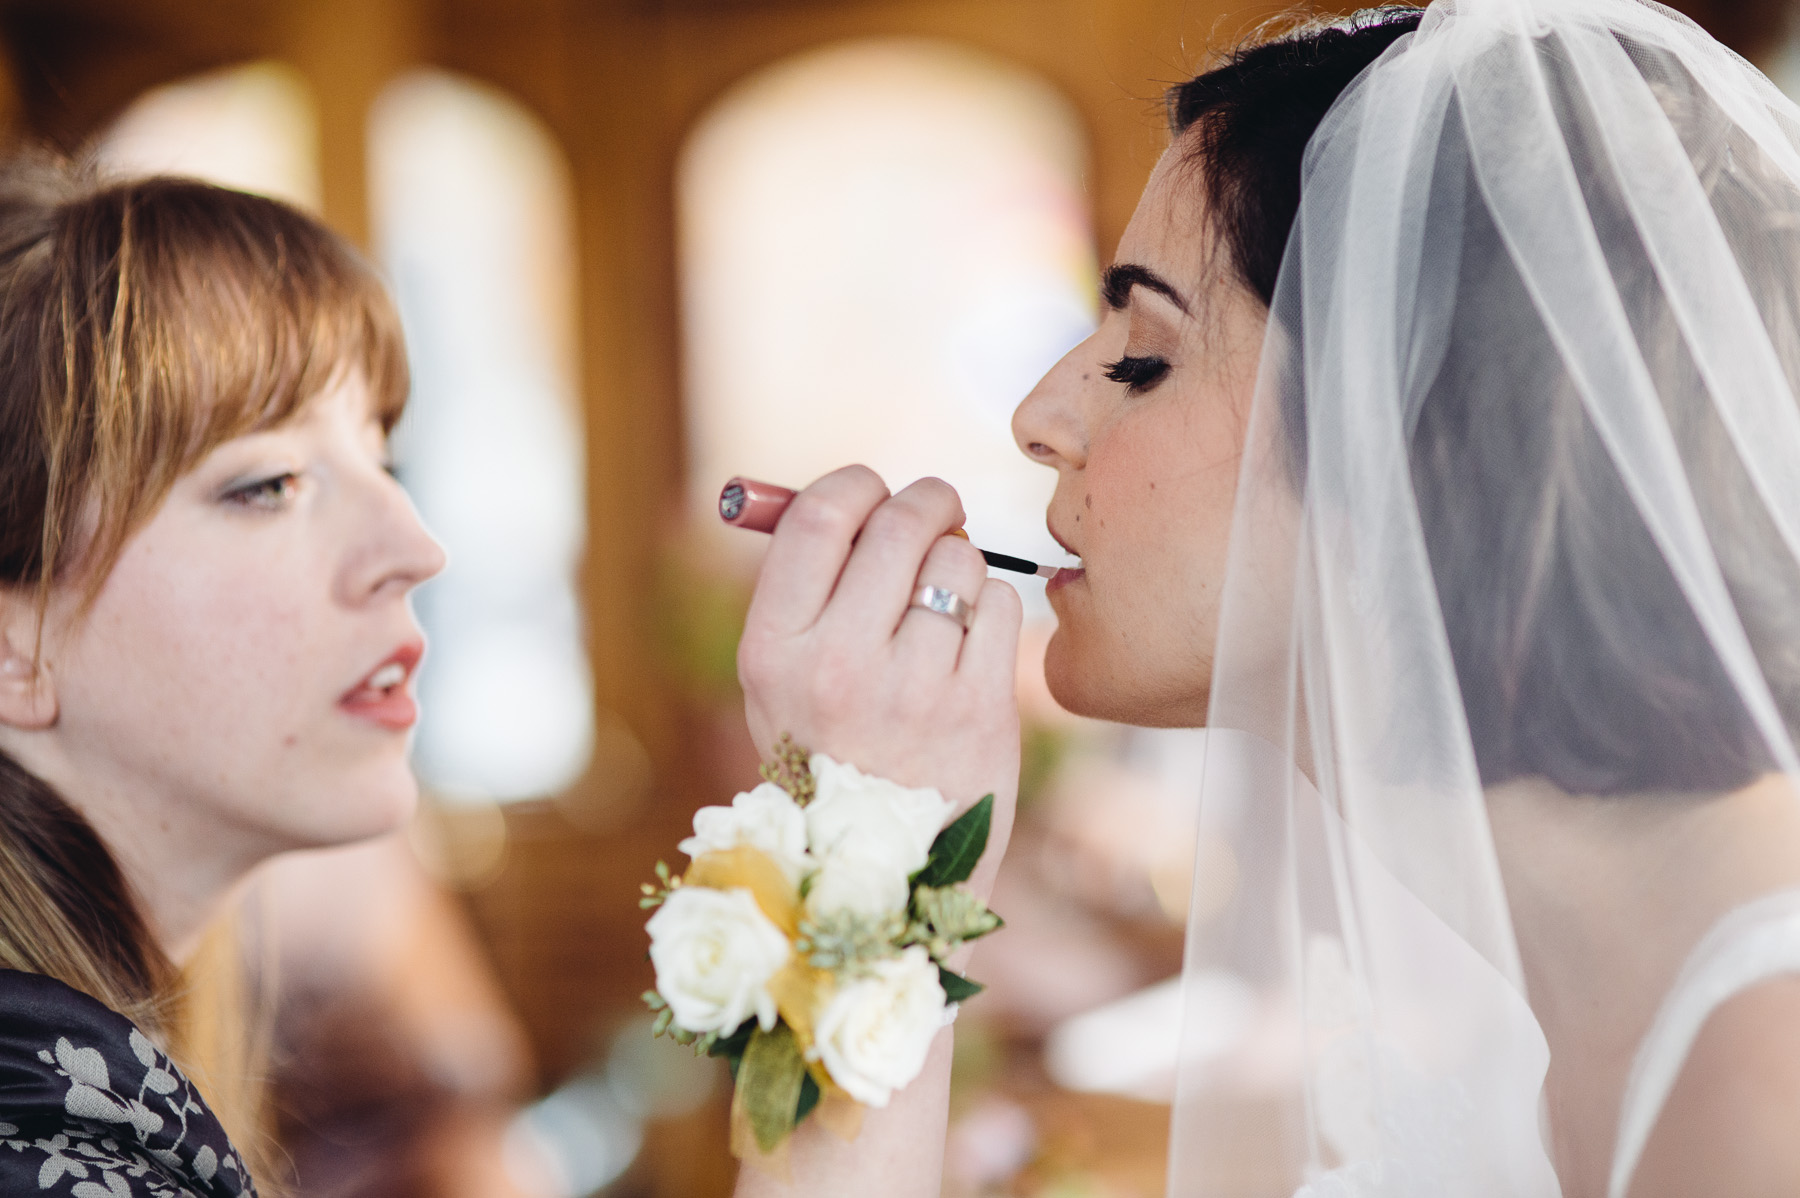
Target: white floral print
<point x="130" y="1125"/>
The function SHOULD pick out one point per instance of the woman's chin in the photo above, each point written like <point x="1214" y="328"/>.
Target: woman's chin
<point x="372" y="807"/>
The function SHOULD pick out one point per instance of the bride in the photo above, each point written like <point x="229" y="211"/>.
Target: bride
<point x="1440" y="453"/>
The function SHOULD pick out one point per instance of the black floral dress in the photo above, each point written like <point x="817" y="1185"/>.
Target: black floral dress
<point x="91" y="1109"/>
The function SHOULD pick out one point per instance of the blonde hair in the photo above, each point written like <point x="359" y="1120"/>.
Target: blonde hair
<point x="142" y="324"/>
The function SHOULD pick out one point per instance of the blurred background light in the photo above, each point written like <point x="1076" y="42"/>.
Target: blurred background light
<point x="589" y="1130"/>
<point x="884" y="244"/>
<point x="1129" y="1047"/>
<point x="250" y="127"/>
<point x="472" y="220"/>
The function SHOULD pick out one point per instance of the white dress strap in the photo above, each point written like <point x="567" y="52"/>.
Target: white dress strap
<point x="1756" y="942"/>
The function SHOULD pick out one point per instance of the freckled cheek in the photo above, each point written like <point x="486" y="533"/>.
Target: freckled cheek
<point x="266" y="652"/>
<point x="233" y="646"/>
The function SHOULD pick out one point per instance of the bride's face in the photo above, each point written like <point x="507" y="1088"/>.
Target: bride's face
<point x="246" y="666"/>
<point x="1144" y="424"/>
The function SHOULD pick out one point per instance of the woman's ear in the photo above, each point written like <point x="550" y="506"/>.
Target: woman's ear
<point x="27" y="690"/>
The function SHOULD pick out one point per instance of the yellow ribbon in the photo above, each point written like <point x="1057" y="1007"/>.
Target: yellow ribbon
<point x="800" y="992"/>
<point x="750" y="869"/>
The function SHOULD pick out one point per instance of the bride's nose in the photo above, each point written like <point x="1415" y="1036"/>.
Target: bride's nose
<point x="1047" y="424"/>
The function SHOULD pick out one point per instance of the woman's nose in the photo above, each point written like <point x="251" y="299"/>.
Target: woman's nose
<point x="399" y="552"/>
<point x="1047" y="424"/>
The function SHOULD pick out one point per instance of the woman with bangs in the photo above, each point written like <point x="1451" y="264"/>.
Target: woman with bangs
<point x="206" y="646"/>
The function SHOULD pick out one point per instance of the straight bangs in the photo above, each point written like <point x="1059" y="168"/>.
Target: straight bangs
<point x="182" y="316"/>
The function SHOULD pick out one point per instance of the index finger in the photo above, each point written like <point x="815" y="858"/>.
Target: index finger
<point x="809" y="546"/>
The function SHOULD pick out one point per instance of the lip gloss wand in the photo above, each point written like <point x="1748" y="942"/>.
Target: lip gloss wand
<point x="746" y="503"/>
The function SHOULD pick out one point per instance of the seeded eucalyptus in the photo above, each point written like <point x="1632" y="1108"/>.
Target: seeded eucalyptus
<point x="792" y="771"/>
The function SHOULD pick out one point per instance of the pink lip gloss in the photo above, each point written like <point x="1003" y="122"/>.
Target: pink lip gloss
<point x="757" y="506"/>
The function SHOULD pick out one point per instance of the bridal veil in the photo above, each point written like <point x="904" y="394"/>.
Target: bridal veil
<point x="1519" y="507"/>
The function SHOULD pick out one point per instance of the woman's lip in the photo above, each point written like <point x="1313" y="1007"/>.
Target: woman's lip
<point x="1064" y="577"/>
<point x="391" y="707"/>
<point x="395" y="709"/>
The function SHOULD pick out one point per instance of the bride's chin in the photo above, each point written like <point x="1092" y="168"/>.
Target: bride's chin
<point x="1082" y="681"/>
<point x="1087" y="681"/>
<point x="1064" y="679"/>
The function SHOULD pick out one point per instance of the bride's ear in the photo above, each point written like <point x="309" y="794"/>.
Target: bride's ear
<point x="27" y="689"/>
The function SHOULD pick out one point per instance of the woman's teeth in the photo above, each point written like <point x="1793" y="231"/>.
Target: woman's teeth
<point x="387" y="677"/>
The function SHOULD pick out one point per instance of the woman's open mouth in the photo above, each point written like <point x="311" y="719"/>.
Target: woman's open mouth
<point x="384" y="697"/>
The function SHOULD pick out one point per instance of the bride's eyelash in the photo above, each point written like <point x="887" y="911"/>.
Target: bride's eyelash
<point x="1138" y="374"/>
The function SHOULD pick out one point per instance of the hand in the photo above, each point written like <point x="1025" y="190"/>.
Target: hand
<point x="833" y="655"/>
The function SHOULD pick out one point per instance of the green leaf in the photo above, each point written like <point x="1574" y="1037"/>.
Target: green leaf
<point x="770" y="1079"/>
<point x="956" y="987"/>
<point x="958" y="847"/>
<point x="809" y="1098"/>
<point x="731" y="1048"/>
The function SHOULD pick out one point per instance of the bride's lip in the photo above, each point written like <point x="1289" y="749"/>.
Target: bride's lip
<point x="1067" y="574"/>
<point x="384" y="696"/>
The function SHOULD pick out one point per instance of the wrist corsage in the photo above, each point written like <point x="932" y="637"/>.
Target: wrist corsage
<point x="807" y="942"/>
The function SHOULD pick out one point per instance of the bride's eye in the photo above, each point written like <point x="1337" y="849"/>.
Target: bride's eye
<point x="265" y="494"/>
<point x="1138" y="374"/>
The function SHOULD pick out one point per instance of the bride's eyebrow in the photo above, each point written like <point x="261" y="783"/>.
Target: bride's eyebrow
<point x="1118" y="279"/>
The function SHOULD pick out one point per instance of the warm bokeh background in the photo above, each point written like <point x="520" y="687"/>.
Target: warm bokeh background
<point x="641" y="245"/>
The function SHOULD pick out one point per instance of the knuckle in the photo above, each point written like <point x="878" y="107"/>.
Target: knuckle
<point x="958" y="557"/>
<point x="820" y="515"/>
<point x="937" y="491"/>
<point x="999" y="597"/>
<point x="937" y="498"/>
<point x="852" y="490"/>
<point x="941" y="500"/>
<point x="836" y="505"/>
<point x="866" y="481"/>
<point x="895" y="522"/>
<point x="855" y="476"/>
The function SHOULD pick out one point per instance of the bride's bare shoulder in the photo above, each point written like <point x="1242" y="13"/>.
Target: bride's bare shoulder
<point x="1729" y="1125"/>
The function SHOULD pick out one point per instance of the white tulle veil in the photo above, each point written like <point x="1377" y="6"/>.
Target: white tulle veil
<point x="1520" y="505"/>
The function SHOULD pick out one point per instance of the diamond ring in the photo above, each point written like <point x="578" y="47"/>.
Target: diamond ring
<point x="944" y="603"/>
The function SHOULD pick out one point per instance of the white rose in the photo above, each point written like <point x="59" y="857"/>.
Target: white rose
<point x="868" y="835"/>
<point x="766" y="818"/>
<point x="874" y="1033"/>
<point x="870" y="885"/>
<point x="714" y="953"/>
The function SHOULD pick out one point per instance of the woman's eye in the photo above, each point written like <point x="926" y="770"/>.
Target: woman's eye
<point x="267" y="494"/>
<point x="1138" y="374"/>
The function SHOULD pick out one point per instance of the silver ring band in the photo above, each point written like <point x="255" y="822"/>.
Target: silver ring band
<point x="944" y="603"/>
